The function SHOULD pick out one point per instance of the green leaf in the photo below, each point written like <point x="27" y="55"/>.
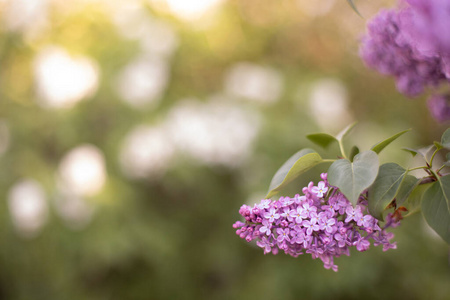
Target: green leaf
<point x="299" y="163"/>
<point x="353" y="178"/>
<point x="444" y="182"/>
<point x="423" y="151"/>
<point x="381" y="145"/>
<point x="352" y="4"/>
<point x="414" y="202"/>
<point x="341" y="135"/>
<point x="447" y="163"/>
<point x="385" y="188"/>
<point x="353" y="152"/>
<point x="413" y="152"/>
<point x="435" y="211"/>
<point x="445" y="139"/>
<point x="409" y="183"/>
<point x="321" y="139"/>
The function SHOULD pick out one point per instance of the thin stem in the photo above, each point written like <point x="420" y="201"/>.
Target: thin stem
<point x="443" y="166"/>
<point x="432" y="156"/>
<point x="328" y="160"/>
<point x="417" y="168"/>
<point x="341" y="147"/>
<point x="427" y="179"/>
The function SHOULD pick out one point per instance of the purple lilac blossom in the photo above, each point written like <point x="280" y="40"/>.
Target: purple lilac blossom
<point x="325" y="227"/>
<point x="386" y="49"/>
<point x="425" y="24"/>
<point x="439" y="106"/>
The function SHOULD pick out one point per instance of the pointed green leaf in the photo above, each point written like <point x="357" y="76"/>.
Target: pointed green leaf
<point x="447" y="163"/>
<point x="321" y="139"/>
<point x="352" y="4"/>
<point x="381" y="145"/>
<point x="413" y="152"/>
<point x="341" y="135"/>
<point x="299" y="163"/>
<point x="422" y="152"/>
<point x="353" y="152"/>
<point x="353" y="178"/>
<point x="445" y="140"/>
<point x="385" y="188"/>
<point x="414" y="202"/>
<point x="435" y="211"/>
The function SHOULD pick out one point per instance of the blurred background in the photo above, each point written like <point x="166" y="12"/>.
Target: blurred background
<point x="131" y="131"/>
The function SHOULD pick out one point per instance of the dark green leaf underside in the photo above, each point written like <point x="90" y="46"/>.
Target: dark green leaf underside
<point x="435" y="211"/>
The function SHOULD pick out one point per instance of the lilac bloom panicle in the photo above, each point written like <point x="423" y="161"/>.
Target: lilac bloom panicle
<point x="323" y="227"/>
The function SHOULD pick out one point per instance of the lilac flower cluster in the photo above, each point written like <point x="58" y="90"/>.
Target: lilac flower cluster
<point x="412" y="45"/>
<point x="425" y="23"/>
<point x="322" y="223"/>
<point x="386" y="49"/>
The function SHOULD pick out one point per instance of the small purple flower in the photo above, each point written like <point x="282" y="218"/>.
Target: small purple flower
<point x="310" y="227"/>
<point x="272" y="215"/>
<point x="266" y="227"/>
<point x="328" y="225"/>
<point x="341" y="239"/>
<point x="308" y="209"/>
<point x="264" y="204"/>
<point x="298" y="236"/>
<point x="283" y="235"/>
<point x="320" y="189"/>
<point x="314" y="217"/>
<point x="364" y="220"/>
<point x="287" y="201"/>
<point x="265" y="244"/>
<point x="362" y="244"/>
<point x="287" y="214"/>
<point x="298" y="214"/>
<point x="299" y="199"/>
<point x="353" y="214"/>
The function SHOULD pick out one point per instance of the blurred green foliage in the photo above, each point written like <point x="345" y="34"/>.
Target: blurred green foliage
<point x="170" y="236"/>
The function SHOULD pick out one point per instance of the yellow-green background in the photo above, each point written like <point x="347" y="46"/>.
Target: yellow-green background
<point x="170" y="236"/>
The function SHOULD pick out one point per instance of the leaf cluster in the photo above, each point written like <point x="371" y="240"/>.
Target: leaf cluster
<point x="359" y="174"/>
